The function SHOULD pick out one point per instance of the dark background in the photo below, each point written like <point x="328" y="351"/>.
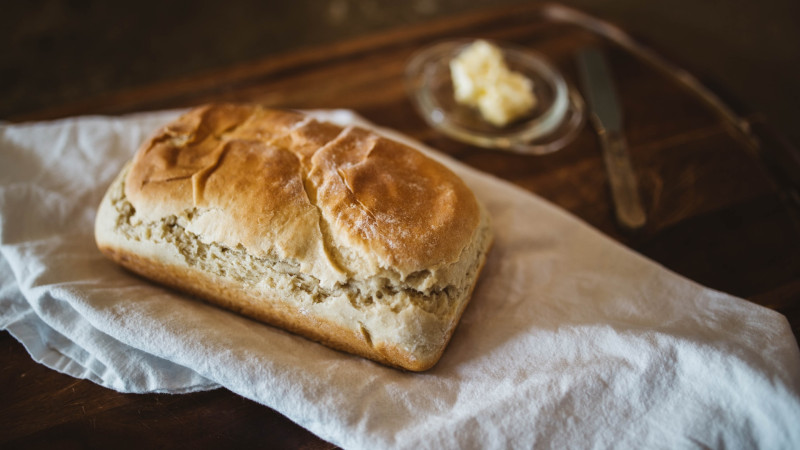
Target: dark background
<point x="56" y="52"/>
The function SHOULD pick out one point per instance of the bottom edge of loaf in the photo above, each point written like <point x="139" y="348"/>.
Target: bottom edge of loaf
<point x="229" y="296"/>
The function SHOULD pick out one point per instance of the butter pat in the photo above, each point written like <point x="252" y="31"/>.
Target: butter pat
<point x="482" y="80"/>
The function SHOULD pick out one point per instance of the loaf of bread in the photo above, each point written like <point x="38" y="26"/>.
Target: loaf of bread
<point x="336" y="234"/>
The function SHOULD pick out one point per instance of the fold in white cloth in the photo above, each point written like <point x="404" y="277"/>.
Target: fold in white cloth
<point x="571" y="340"/>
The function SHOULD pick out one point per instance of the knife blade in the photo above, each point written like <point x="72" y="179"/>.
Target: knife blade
<point x="601" y="96"/>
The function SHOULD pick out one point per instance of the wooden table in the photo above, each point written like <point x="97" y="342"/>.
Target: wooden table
<point x="719" y="187"/>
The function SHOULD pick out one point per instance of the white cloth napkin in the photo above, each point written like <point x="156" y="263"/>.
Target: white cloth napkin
<point x="571" y="340"/>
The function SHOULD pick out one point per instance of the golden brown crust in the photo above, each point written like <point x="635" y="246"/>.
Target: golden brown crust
<point x="259" y="168"/>
<point x="393" y="201"/>
<point x="336" y="234"/>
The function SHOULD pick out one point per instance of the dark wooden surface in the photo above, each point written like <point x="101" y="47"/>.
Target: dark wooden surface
<point x="722" y="208"/>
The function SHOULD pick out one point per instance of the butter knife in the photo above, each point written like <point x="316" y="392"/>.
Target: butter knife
<point x="601" y="97"/>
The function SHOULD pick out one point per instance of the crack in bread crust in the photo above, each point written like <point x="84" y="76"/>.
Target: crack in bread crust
<point x="328" y="246"/>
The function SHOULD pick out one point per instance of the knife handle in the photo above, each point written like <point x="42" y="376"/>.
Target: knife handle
<point x="624" y="188"/>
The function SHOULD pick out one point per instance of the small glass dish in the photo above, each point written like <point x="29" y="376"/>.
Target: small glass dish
<point x="549" y="126"/>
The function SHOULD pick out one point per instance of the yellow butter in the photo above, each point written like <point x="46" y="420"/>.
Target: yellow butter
<point x="481" y="79"/>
